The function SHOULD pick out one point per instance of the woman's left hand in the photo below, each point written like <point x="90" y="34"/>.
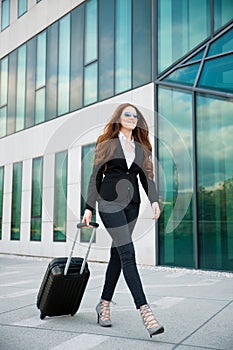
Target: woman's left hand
<point x="156" y="210"/>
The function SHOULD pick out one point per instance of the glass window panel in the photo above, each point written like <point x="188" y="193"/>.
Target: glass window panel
<point x="90" y="84"/>
<point x="12" y="93"/>
<point x="215" y="182"/>
<point x="176" y="228"/>
<point x="217" y="74"/>
<point x="16" y="201"/>
<point x="51" y="71"/>
<point x="196" y="57"/>
<point x="182" y="24"/>
<point x="91" y="31"/>
<point x="40" y="106"/>
<point x="60" y="196"/>
<point x="141" y="42"/>
<point x="36" y="229"/>
<point x="41" y="60"/>
<point x="184" y="75"/>
<point x="3" y="121"/>
<point x="40" y="78"/>
<point x="21" y="88"/>
<point x="223" y="12"/>
<point x="87" y="165"/>
<point x="106" y="49"/>
<point x="3" y="81"/>
<point x="36" y="209"/>
<point x="76" y="69"/>
<point x="165" y="38"/>
<point x="64" y="65"/>
<point x="30" y="83"/>
<point x="22" y="7"/>
<point x="223" y="44"/>
<point x="1" y="197"/>
<point x="123" y="45"/>
<point x="5" y="14"/>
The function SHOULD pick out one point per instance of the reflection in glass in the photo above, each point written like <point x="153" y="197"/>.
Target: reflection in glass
<point x="30" y="83"/>
<point x="60" y="197"/>
<point x="123" y="45"/>
<point x="16" y="201"/>
<point x="41" y="60"/>
<point x="1" y="197"/>
<point x="223" y="10"/>
<point x="3" y="121"/>
<point x="3" y="96"/>
<point x="91" y="31"/>
<point x="217" y="74"/>
<point x="11" y="110"/>
<point x="90" y="84"/>
<point x="5" y="19"/>
<point x="64" y="65"/>
<point x="182" y="24"/>
<point x="51" y="71"/>
<point x="36" y="206"/>
<point x="87" y="164"/>
<point x="106" y="48"/>
<point x="40" y="106"/>
<point x="141" y="42"/>
<point x="3" y="81"/>
<point x="76" y="57"/>
<point x="22" y="7"/>
<point x="175" y="160"/>
<point x="185" y="75"/>
<point x="215" y="182"/>
<point x="223" y="44"/>
<point x="21" y="88"/>
<point x="196" y="57"/>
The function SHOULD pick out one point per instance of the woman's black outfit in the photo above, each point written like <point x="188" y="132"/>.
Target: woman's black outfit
<point x="117" y="191"/>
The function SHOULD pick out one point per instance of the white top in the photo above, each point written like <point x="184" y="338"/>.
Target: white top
<point x="128" y="148"/>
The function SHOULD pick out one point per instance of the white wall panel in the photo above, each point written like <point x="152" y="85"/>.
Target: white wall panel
<point x="47" y="204"/>
<point x="6" y="218"/>
<point x="26" y="206"/>
<point x="27" y="175"/>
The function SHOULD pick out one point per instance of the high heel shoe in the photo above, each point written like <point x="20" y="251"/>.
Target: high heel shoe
<point x="149" y="321"/>
<point x="103" y="313"/>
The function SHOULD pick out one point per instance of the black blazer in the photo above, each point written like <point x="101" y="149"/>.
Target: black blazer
<point x="118" y="183"/>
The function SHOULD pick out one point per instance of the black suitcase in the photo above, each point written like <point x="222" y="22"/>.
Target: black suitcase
<point x="64" y="282"/>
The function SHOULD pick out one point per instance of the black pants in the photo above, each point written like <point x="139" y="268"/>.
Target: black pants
<point x="120" y="222"/>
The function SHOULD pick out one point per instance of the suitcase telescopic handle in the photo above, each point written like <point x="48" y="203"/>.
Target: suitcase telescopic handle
<point x="80" y="225"/>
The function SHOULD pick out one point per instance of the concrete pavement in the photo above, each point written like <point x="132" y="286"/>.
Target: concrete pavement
<point x="195" y="307"/>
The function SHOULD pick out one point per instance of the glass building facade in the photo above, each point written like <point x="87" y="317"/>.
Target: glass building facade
<point x="5" y="14"/>
<point x="77" y="61"/>
<point x="60" y="197"/>
<point x="87" y="162"/>
<point x="194" y="97"/>
<point x="36" y="197"/>
<point x="16" y="201"/>
<point x="103" y="48"/>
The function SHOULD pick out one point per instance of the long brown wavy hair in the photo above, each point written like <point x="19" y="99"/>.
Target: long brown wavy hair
<point x="106" y="144"/>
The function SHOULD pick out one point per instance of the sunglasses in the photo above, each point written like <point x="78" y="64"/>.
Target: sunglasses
<point x="129" y="114"/>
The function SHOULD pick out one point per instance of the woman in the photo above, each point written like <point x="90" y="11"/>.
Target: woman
<point x="122" y="153"/>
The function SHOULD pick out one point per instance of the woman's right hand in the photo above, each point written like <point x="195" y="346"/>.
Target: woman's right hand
<point x="87" y="216"/>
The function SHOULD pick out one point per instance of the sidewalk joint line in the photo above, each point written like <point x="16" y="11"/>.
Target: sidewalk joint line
<point x="18" y="308"/>
<point x="202" y="325"/>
